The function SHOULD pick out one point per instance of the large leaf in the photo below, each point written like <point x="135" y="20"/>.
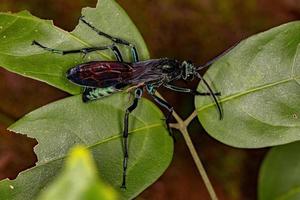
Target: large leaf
<point x="17" y="31"/>
<point x="97" y="125"/>
<point x="279" y="176"/>
<point x="79" y="180"/>
<point x="260" y="84"/>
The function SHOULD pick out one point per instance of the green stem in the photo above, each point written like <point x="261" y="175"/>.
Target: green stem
<point x="199" y="164"/>
<point x="190" y="118"/>
<point x="182" y="125"/>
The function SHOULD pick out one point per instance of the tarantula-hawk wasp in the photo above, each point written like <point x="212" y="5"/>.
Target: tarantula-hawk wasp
<point x="103" y="78"/>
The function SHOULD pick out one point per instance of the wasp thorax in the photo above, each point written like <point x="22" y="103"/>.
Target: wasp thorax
<point x="188" y="70"/>
<point x="167" y="67"/>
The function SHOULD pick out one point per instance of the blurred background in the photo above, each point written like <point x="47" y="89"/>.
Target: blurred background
<point x="196" y="30"/>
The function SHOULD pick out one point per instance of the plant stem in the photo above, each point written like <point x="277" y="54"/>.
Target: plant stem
<point x="182" y="125"/>
<point x="190" y="118"/>
<point x="199" y="164"/>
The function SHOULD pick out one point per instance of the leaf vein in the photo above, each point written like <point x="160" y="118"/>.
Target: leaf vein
<point x="289" y="193"/>
<point x="69" y="34"/>
<point x="9" y="25"/>
<point x="255" y="89"/>
<point x="118" y="135"/>
<point x="267" y="123"/>
<point x="294" y="60"/>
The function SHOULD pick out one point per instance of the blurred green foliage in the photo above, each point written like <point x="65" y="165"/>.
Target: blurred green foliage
<point x="78" y="180"/>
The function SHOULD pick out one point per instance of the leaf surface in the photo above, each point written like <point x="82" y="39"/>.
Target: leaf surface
<point x="279" y="176"/>
<point x="17" y="31"/>
<point x="98" y="126"/>
<point x="260" y="85"/>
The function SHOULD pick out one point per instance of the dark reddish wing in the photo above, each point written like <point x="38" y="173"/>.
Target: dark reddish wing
<point x="153" y="70"/>
<point x="101" y="74"/>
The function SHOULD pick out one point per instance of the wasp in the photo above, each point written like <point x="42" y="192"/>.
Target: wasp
<point x="103" y="78"/>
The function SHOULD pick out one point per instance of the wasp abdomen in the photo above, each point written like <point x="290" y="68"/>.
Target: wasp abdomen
<point x="91" y="94"/>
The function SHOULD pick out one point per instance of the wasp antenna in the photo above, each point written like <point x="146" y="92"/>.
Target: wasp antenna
<point x="209" y="63"/>
<point x="212" y="94"/>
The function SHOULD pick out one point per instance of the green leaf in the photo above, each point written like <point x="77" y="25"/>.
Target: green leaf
<point x="78" y="181"/>
<point x="98" y="126"/>
<point x="17" y="31"/>
<point x="260" y="82"/>
<point x="279" y="176"/>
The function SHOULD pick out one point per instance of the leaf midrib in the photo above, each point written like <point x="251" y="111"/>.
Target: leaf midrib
<point x="292" y="191"/>
<point x="70" y="34"/>
<point x="108" y="139"/>
<point x="251" y="90"/>
<point x="270" y="124"/>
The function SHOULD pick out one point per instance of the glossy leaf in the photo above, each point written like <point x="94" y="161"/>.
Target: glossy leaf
<point x="17" y="31"/>
<point x="98" y="126"/>
<point x="260" y="82"/>
<point x="279" y="176"/>
<point x="79" y="180"/>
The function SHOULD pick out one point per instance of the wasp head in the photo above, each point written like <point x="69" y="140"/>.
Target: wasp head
<point x="188" y="70"/>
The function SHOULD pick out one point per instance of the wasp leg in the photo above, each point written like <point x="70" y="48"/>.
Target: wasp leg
<point x="212" y="95"/>
<point x="117" y="40"/>
<point x="195" y="92"/>
<point x="187" y="90"/>
<point x="138" y="95"/>
<point x="86" y="50"/>
<point x="164" y="104"/>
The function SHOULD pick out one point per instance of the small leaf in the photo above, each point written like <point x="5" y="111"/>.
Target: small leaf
<point x="260" y="82"/>
<point x="279" y="176"/>
<point x="17" y="31"/>
<point x="78" y="181"/>
<point x="98" y="126"/>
